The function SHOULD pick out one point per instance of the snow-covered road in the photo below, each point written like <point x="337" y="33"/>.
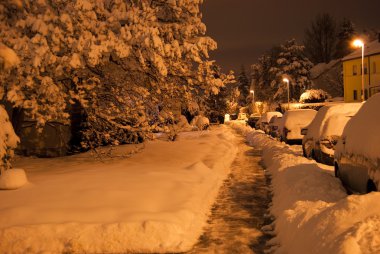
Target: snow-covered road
<point x="238" y="214"/>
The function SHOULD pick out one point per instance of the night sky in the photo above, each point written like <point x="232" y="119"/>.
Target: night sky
<point x="245" y="29"/>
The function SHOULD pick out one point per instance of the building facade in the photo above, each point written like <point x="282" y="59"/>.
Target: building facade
<point x="352" y="72"/>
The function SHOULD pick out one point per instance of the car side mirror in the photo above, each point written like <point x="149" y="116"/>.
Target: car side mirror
<point x="304" y="131"/>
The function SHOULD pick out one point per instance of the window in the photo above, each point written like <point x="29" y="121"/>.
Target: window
<point x="355" y="95"/>
<point x="374" y="67"/>
<point x="365" y="69"/>
<point x="366" y="94"/>
<point x="354" y="70"/>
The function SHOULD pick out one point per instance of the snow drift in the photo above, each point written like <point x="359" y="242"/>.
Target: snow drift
<point x="157" y="201"/>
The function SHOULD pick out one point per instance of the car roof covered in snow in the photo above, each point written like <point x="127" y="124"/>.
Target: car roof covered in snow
<point x="362" y="132"/>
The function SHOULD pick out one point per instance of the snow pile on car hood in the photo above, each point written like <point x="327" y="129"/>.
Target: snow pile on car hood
<point x="312" y="212"/>
<point x="330" y="120"/>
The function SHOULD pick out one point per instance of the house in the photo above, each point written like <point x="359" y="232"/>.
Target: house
<point x="328" y="77"/>
<point x="352" y="68"/>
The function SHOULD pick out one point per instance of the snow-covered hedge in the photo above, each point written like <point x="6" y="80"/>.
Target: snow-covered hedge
<point x="314" y="95"/>
<point x="312" y="211"/>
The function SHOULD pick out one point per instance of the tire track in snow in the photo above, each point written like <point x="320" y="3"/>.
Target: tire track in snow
<point x="239" y="211"/>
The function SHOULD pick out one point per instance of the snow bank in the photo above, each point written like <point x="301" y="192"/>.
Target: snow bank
<point x="312" y="212"/>
<point x="156" y="201"/>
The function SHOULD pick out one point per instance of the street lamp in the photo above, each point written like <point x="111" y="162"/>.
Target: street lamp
<point x="360" y="44"/>
<point x="253" y="99"/>
<point x="286" y="80"/>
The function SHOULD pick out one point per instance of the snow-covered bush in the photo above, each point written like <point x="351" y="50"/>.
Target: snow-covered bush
<point x="8" y="139"/>
<point x="200" y="122"/>
<point x="183" y="124"/>
<point x="9" y="178"/>
<point x="314" y="95"/>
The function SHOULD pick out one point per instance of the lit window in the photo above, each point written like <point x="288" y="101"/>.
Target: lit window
<point x="354" y="70"/>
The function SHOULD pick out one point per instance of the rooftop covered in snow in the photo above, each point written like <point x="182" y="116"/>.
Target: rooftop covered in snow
<point x="372" y="48"/>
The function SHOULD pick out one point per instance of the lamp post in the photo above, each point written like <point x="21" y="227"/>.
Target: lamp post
<point x="253" y="99"/>
<point x="286" y="80"/>
<point x="360" y="44"/>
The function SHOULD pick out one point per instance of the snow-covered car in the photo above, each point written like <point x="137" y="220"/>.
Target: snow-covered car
<point x="252" y="120"/>
<point x="293" y="121"/>
<point x="357" y="153"/>
<point x="274" y="126"/>
<point x="242" y="116"/>
<point x="325" y="130"/>
<point x="265" y="118"/>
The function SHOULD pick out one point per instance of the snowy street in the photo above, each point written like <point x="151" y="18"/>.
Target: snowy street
<point x="238" y="213"/>
<point x="311" y="209"/>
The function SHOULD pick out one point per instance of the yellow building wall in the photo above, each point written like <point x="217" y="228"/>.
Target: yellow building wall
<point x="354" y="82"/>
<point x="375" y="76"/>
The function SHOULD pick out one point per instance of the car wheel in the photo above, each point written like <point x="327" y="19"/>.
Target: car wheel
<point x="371" y="186"/>
<point x="304" y="152"/>
<point x="312" y="155"/>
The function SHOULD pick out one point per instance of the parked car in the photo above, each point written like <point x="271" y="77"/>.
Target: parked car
<point x="274" y="126"/>
<point x="324" y="131"/>
<point x="357" y="154"/>
<point x="233" y="116"/>
<point x="242" y="116"/>
<point x="265" y="118"/>
<point x="252" y="120"/>
<point x="293" y="121"/>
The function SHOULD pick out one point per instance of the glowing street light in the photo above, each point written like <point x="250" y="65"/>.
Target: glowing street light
<point x="253" y="99"/>
<point x="286" y="80"/>
<point x="360" y="44"/>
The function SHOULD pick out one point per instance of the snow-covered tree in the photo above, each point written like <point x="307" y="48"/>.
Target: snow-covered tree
<point x="114" y="61"/>
<point x="262" y="75"/>
<point x="287" y="60"/>
<point x="293" y="63"/>
<point x="243" y="85"/>
<point x="217" y="105"/>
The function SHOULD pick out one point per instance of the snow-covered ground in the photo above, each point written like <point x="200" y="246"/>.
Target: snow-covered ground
<point x="157" y="200"/>
<point x="313" y="213"/>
